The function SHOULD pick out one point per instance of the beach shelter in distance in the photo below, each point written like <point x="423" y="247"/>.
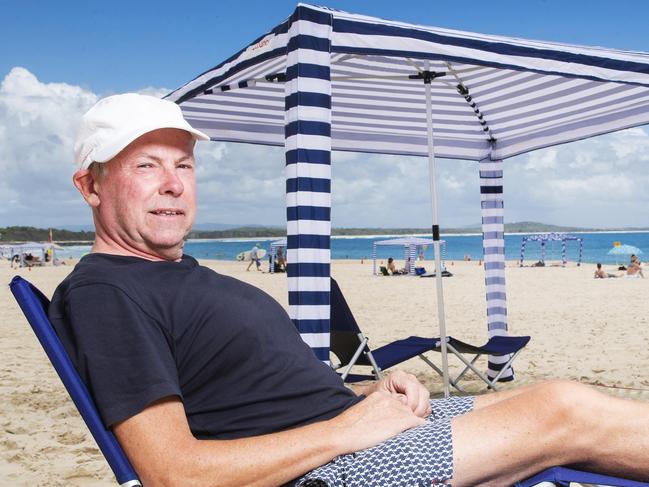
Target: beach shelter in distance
<point x="328" y="80"/>
<point x="411" y="248"/>
<point x="544" y="238"/>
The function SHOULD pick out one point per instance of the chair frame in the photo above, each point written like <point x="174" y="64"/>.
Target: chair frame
<point x="363" y="351"/>
<point x="34" y="304"/>
<point x="470" y="365"/>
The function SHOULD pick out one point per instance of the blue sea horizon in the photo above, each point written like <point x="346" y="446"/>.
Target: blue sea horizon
<point x="596" y="246"/>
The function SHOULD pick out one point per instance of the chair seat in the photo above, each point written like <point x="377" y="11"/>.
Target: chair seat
<point x="497" y="345"/>
<point x="400" y="350"/>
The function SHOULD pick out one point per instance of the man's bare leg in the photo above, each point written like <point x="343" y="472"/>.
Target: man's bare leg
<point x="555" y="423"/>
<point x="490" y="398"/>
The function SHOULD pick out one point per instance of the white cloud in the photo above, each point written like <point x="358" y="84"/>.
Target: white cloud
<point x="38" y="125"/>
<point x="542" y="160"/>
<point x="597" y="182"/>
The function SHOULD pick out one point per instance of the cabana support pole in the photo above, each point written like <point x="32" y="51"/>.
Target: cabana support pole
<point x="307" y="133"/>
<point x="493" y="243"/>
<point x="432" y="168"/>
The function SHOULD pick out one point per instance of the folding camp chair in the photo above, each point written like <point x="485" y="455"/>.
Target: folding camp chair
<point x="351" y="347"/>
<point x="563" y="477"/>
<point x="34" y="305"/>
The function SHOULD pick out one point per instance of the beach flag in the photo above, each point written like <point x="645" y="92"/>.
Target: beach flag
<point x="49" y="239"/>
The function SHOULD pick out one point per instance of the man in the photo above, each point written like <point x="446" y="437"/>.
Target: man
<point x="634" y="269"/>
<point x="205" y="381"/>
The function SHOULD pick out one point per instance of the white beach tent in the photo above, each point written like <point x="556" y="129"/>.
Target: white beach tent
<point x="20" y="250"/>
<point x="411" y="247"/>
<point x="327" y="80"/>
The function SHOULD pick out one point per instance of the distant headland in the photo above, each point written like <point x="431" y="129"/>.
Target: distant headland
<point x="205" y="231"/>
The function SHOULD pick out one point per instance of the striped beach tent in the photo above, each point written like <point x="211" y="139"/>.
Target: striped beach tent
<point x="411" y="248"/>
<point x="328" y="80"/>
<point x="543" y="238"/>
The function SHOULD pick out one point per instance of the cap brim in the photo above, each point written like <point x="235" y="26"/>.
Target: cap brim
<point x="119" y="144"/>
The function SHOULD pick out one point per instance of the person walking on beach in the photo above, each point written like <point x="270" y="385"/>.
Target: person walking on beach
<point x="254" y="257"/>
<point x="204" y="379"/>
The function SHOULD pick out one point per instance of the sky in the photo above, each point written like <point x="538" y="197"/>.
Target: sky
<point x="58" y="58"/>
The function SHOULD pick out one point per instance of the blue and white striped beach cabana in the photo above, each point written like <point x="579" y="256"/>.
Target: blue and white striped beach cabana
<point x="552" y="237"/>
<point x="411" y="247"/>
<point x="327" y="80"/>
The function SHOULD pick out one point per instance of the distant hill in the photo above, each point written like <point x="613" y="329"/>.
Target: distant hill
<point x="32" y="234"/>
<point x="535" y="227"/>
<point x="220" y="230"/>
<point x="251" y="231"/>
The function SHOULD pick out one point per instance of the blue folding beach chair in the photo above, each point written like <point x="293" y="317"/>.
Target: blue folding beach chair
<point x="351" y="348"/>
<point x="34" y="305"/>
<point x="563" y="477"/>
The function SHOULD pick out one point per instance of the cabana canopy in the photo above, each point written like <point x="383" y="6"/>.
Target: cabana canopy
<point x="411" y="247"/>
<point x="327" y="80"/>
<point x="552" y="237"/>
<point x="492" y="96"/>
<point x="405" y="241"/>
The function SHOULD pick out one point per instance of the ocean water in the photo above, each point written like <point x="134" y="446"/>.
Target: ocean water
<point x="596" y="246"/>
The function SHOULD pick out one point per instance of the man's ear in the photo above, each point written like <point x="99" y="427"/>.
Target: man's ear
<point x="85" y="182"/>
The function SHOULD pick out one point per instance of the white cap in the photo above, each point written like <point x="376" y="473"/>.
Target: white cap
<point x="116" y="121"/>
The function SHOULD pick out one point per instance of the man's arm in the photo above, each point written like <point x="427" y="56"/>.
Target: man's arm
<point x="164" y="453"/>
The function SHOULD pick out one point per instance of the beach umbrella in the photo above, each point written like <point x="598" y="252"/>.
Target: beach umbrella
<point x="623" y="250"/>
<point x="328" y="80"/>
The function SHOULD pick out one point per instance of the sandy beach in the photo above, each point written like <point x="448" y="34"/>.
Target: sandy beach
<point x="592" y="331"/>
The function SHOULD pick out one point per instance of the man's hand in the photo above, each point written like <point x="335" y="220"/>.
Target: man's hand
<point x="377" y="418"/>
<point x="404" y="387"/>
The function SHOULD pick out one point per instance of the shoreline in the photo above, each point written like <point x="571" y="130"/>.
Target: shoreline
<point x="70" y="243"/>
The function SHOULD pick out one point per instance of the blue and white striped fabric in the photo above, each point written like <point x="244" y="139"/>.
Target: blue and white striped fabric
<point x="493" y="244"/>
<point x="529" y="94"/>
<point x="308" y="176"/>
<point x="326" y="79"/>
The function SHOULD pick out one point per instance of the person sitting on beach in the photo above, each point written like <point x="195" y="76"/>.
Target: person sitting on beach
<point x="392" y="267"/>
<point x="280" y="261"/>
<point x="601" y="274"/>
<point x="634" y="269"/>
<point x="204" y="379"/>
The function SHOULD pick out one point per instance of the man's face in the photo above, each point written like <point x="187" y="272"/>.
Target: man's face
<point x="147" y="196"/>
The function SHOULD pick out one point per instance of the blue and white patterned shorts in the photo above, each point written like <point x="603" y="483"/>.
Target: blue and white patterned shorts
<point x="421" y="456"/>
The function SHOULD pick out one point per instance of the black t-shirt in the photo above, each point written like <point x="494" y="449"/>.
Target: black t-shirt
<point x="138" y="331"/>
